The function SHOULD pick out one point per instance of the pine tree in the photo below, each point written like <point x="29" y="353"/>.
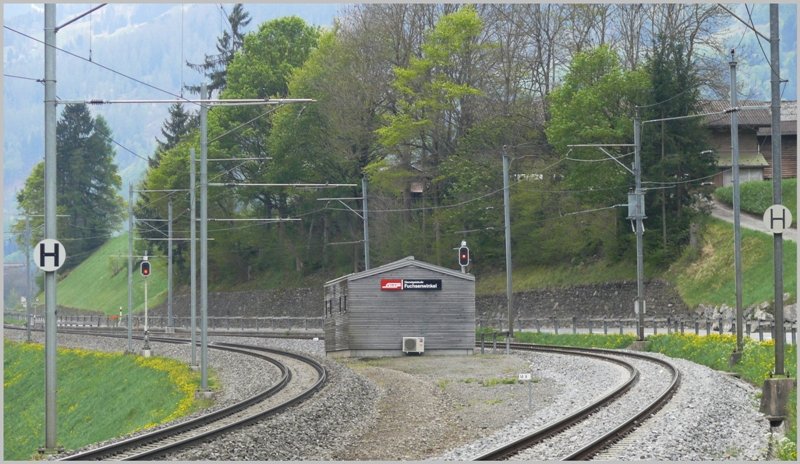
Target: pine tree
<point x="672" y="152"/>
<point x="87" y="183"/>
<point x="215" y="67"/>
<point x="179" y="123"/>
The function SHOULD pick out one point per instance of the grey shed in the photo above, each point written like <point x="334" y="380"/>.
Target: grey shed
<point x="370" y="313"/>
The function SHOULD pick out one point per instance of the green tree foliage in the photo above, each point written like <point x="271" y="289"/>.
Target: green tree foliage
<point x="336" y="143"/>
<point x="262" y="69"/>
<point x="178" y="124"/>
<point x="87" y="183"/>
<point x="433" y="106"/>
<point x="596" y="104"/>
<point x="215" y="67"/>
<point x="175" y="129"/>
<point x="424" y="100"/>
<point x="673" y="158"/>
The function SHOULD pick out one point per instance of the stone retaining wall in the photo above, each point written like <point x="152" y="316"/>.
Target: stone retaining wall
<point x="611" y="300"/>
<point x="601" y="300"/>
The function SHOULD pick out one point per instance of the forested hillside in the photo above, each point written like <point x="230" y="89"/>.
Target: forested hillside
<point x="423" y="101"/>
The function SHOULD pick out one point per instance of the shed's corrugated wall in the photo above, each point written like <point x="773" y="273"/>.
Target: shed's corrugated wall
<point x="378" y="320"/>
<point x="336" y="307"/>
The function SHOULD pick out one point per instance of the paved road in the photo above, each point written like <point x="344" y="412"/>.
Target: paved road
<point x="749" y="221"/>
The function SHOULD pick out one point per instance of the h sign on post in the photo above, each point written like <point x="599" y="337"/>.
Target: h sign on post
<point x="777" y="218"/>
<point x="49" y="255"/>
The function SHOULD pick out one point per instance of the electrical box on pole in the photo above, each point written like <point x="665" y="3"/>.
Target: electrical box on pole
<point x="636" y="206"/>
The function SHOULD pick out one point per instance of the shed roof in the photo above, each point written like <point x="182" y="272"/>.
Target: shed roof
<point x="401" y="263"/>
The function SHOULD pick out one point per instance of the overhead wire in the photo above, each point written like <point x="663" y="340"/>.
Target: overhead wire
<point x="23" y="77"/>
<point x="599" y="160"/>
<point x="99" y="65"/>
<point x="678" y="182"/>
<point x="758" y="39"/>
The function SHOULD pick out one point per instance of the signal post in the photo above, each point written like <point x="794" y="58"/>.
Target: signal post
<point x="144" y="268"/>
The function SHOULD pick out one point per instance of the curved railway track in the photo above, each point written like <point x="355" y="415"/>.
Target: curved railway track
<point x="613" y="431"/>
<point x="300" y="377"/>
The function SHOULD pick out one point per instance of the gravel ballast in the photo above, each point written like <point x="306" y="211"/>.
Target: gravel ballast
<point x="449" y="408"/>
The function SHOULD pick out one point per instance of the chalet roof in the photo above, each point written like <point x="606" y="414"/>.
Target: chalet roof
<point x="754" y="118"/>
<point x="401" y="263"/>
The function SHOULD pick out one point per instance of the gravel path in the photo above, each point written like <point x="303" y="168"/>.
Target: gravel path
<point x="451" y="408"/>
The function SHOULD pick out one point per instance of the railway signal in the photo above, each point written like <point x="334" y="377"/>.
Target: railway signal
<point x="145" y="268"/>
<point x="463" y="256"/>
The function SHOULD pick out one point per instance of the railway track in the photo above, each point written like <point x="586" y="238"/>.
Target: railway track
<point x="606" y="420"/>
<point x="300" y="377"/>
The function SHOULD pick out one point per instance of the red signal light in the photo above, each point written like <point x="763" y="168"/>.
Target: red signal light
<point x="463" y="256"/>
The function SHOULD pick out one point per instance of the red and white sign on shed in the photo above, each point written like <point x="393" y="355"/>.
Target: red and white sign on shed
<point x="391" y="285"/>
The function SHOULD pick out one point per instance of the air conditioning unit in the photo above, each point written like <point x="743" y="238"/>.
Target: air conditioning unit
<point x="413" y="344"/>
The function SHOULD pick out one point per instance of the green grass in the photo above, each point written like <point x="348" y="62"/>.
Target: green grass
<point x="100" y="396"/>
<point x="708" y="277"/>
<point x="576" y="340"/>
<point x="756" y="196"/>
<point x="758" y="361"/>
<point x="495" y="381"/>
<point x="101" y="282"/>
<point x="528" y="278"/>
<point x="13" y="321"/>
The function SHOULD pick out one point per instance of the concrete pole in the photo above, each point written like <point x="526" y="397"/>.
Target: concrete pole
<point x="637" y="171"/>
<point x="130" y="268"/>
<point x="28" y="275"/>
<point x="170" y="322"/>
<point x="366" y="221"/>
<point x="737" y="234"/>
<point x="774" y="41"/>
<point x="193" y="253"/>
<point x="507" y="216"/>
<point x="203" y="243"/>
<point x="50" y="232"/>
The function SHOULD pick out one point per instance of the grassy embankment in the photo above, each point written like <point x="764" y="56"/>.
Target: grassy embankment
<point x="101" y="282"/>
<point x="707" y="275"/>
<point x="100" y="396"/>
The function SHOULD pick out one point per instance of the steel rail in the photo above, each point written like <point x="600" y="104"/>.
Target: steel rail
<point x="609" y="437"/>
<point x="239" y="422"/>
<point x="509" y="449"/>
<point x="147" y="445"/>
<point x="614" y="435"/>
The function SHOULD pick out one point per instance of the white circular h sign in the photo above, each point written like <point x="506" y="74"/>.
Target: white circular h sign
<point x="49" y="255"/>
<point x="777" y="218"/>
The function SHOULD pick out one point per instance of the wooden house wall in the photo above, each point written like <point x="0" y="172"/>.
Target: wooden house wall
<point x="720" y="140"/>
<point x="788" y="158"/>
